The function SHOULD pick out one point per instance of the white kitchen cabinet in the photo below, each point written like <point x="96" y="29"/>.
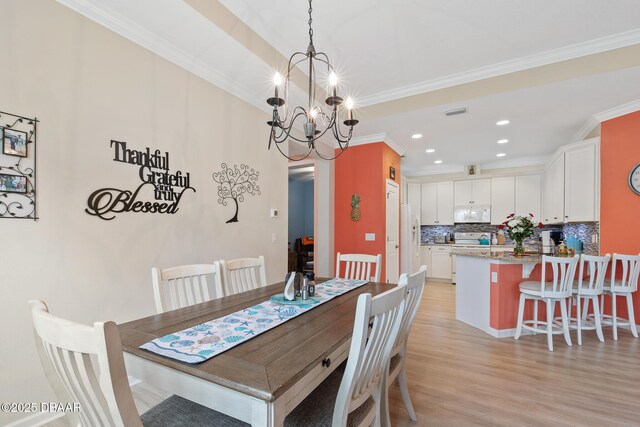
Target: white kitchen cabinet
<point x="553" y="192"/>
<point x="413" y="198"/>
<point x="503" y="198"/>
<point x="425" y="256"/>
<point x="437" y="203"/>
<point x="580" y="190"/>
<point x="472" y="192"/>
<point x="440" y="262"/>
<point x="528" y="192"/>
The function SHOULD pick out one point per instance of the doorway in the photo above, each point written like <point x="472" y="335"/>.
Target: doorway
<point x="392" y="260"/>
<point x="302" y="218"/>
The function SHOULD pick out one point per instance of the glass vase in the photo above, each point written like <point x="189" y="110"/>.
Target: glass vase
<point x="518" y="248"/>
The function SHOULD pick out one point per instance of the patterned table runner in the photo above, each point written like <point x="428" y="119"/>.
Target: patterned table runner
<point x="209" y="339"/>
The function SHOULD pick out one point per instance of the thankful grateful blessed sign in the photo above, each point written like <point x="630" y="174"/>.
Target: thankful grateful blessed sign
<point x="153" y="171"/>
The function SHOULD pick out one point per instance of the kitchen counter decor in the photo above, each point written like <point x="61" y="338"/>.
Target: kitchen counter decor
<point x="519" y="228"/>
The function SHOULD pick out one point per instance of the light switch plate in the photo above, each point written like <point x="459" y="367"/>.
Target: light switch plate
<point x="494" y="277"/>
<point x="370" y="237"/>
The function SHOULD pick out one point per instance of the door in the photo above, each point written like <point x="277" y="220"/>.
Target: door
<point x="441" y="262"/>
<point x="463" y="194"/>
<point x="429" y="203"/>
<point x="393" y="226"/>
<point x="502" y="199"/>
<point x="528" y="196"/>
<point x="481" y="191"/>
<point x="580" y="184"/>
<point x="553" y="192"/>
<point x="445" y="203"/>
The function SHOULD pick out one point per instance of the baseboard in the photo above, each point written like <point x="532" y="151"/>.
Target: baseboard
<point x="36" y="420"/>
<point x="507" y="333"/>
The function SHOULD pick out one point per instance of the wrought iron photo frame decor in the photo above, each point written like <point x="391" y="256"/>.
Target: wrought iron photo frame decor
<point x="18" y="166"/>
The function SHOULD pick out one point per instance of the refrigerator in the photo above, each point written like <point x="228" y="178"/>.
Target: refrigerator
<point x="409" y="240"/>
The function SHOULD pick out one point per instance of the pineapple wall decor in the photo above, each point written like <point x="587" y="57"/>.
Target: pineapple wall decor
<point x="355" y="207"/>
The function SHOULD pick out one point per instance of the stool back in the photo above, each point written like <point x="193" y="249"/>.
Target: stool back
<point x="591" y="281"/>
<point x="630" y="268"/>
<point x="563" y="270"/>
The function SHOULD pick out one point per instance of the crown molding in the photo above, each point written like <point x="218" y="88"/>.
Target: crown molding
<point x="515" y="163"/>
<point x="586" y="128"/>
<point x="161" y="47"/>
<point x="620" y="110"/>
<point x="432" y="170"/>
<point x="377" y="137"/>
<point x="577" y="50"/>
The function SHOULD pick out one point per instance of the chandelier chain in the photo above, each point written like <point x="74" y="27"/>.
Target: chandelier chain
<point x="310" y="21"/>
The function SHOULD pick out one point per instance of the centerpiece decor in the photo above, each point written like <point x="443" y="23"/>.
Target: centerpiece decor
<point x="519" y="228"/>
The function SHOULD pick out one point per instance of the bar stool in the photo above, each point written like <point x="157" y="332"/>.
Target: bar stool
<point x="558" y="290"/>
<point x="588" y="288"/>
<point x="625" y="286"/>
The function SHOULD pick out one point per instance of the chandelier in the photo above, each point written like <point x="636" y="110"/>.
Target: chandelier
<point x="316" y="119"/>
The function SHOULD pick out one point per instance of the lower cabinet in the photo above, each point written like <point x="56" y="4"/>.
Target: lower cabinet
<point x="425" y="255"/>
<point x="440" y="262"/>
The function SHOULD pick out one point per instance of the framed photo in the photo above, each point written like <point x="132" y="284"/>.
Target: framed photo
<point x="13" y="183"/>
<point x="392" y="173"/>
<point x="14" y="142"/>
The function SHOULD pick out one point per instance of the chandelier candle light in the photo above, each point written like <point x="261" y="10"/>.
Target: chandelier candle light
<point x="519" y="228"/>
<point x="316" y="122"/>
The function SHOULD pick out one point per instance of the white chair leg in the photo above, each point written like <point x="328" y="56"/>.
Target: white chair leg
<point x="585" y="310"/>
<point x="632" y="318"/>
<point x="614" y="316"/>
<point x="535" y="314"/>
<point x="550" y="307"/>
<point x="598" y="318"/>
<point x="565" y="322"/>
<point x="521" y="316"/>
<point x="579" y="318"/>
<point x="404" y="390"/>
<point x="382" y="408"/>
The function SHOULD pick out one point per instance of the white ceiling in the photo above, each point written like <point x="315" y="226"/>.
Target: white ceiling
<point x="389" y="52"/>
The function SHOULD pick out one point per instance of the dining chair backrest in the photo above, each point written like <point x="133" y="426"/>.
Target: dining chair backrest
<point x="628" y="281"/>
<point x="370" y="349"/>
<point x="243" y="274"/>
<point x="359" y="266"/>
<point x="178" y="287"/>
<point x="414" y="289"/>
<point x="85" y="366"/>
<point x="563" y="271"/>
<point x="592" y="274"/>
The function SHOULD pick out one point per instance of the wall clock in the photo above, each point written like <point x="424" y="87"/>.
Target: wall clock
<point x="634" y="179"/>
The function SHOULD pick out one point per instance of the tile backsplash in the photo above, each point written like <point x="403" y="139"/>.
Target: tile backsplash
<point x="582" y="231"/>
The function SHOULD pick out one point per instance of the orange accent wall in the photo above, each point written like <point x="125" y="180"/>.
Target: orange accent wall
<point x="363" y="169"/>
<point x="619" y="207"/>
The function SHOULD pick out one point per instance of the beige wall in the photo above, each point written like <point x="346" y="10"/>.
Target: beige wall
<point x="87" y="86"/>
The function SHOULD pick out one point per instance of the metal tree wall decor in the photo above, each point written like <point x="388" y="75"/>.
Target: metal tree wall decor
<point x="17" y="166"/>
<point x="234" y="183"/>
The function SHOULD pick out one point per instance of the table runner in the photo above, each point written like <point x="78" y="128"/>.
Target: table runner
<point x="209" y="339"/>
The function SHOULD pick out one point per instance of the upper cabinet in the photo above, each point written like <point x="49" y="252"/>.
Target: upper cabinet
<point x="528" y="196"/>
<point x="503" y="198"/>
<point x="570" y="185"/>
<point x="580" y="194"/>
<point x="413" y="199"/>
<point x="472" y="192"/>
<point x="437" y="203"/>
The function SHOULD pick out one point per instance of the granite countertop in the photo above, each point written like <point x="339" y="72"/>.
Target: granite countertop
<point x="500" y="256"/>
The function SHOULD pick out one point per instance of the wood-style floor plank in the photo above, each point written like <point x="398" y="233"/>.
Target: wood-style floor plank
<point x="460" y="376"/>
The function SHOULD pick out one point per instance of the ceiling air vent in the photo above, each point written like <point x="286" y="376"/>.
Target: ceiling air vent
<point x="456" y="111"/>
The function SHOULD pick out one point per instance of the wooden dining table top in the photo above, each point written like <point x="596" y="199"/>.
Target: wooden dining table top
<point x="268" y="364"/>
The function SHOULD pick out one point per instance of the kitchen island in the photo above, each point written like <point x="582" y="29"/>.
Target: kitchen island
<point x="487" y="293"/>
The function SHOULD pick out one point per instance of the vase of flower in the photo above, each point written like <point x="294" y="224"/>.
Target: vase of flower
<point x="519" y="228"/>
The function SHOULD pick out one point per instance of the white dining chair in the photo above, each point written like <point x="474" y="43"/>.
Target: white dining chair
<point x="588" y="288"/>
<point x="185" y="285"/>
<point x="354" y="396"/>
<point x="359" y="266"/>
<point x="557" y="290"/>
<point x="243" y="274"/>
<point x="624" y="286"/>
<point x="85" y="366"/>
<point x="397" y="365"/>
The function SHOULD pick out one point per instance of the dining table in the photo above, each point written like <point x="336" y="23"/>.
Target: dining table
<point x="261" y="380"/>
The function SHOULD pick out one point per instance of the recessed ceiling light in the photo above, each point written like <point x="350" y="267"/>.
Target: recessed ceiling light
<point x="502" y="122"/>
<point x="437" y="162"/>
<point x="416" y="136"/>
<point x="503" y="141"/>
<point x="501" y="154"/>
<point x="430" y="150"/>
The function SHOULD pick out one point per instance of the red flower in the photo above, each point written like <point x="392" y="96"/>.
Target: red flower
<point x="530" y="214"/>
<point x="500" y="227"/>
<point x="511" y="215"/>
<point x="540" y="225"/>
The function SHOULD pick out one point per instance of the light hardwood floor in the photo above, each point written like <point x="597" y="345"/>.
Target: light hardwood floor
<point x="460" y="376"/>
